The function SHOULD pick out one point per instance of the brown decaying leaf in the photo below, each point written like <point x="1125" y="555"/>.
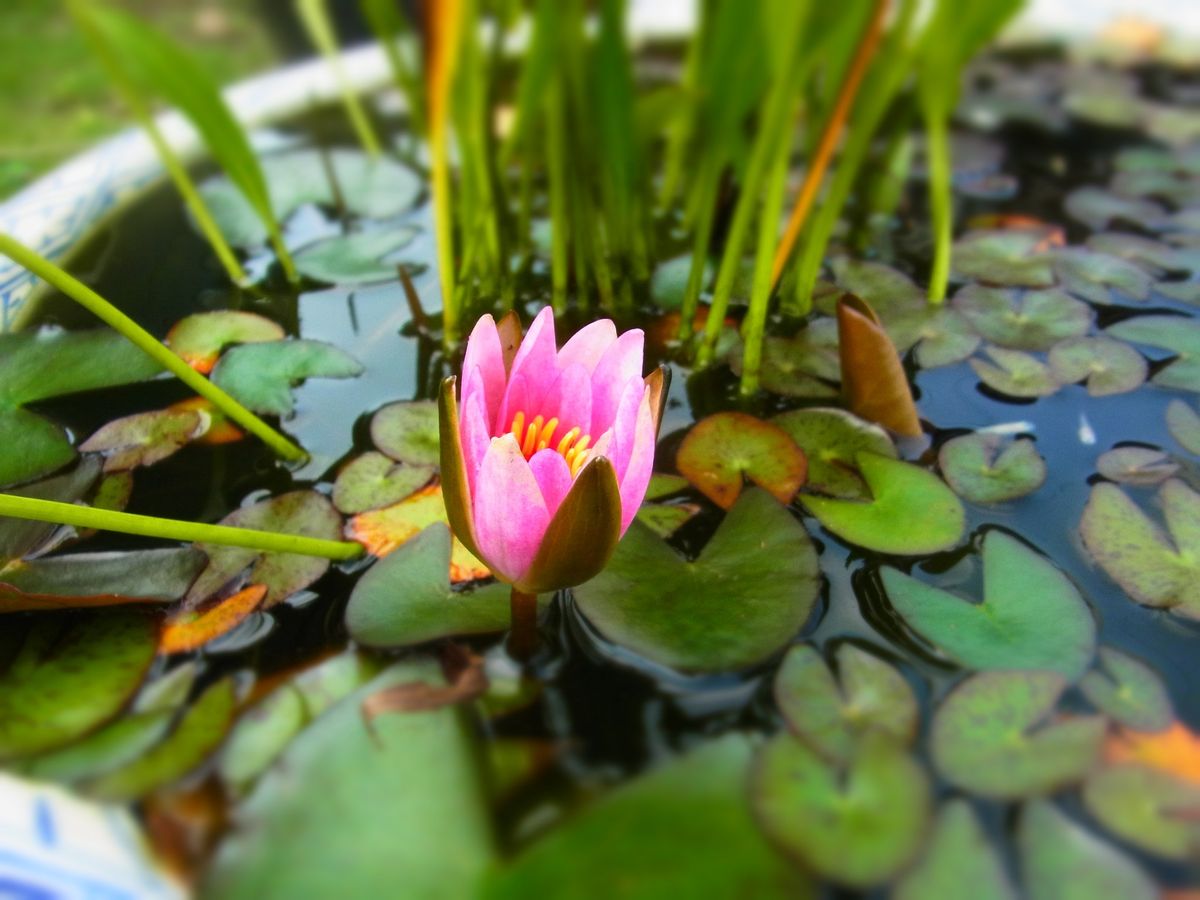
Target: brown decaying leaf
<point x="187" y="630"/>
<point x="465" y="680"/>
<point x="1175" y="750"/>
<point x="183" y="826"/>
<point x="873" y="381"/>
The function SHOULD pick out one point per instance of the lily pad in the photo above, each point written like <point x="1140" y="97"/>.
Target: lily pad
<point x="373" y="480"/>
<point x="359" y="258"/>
<point x="145" y="438"/>
<point x="723" y="449"/>
<point x="24" y="537"/>
<point x="946" y="336"/>
<point x="787" y="367"/>
<point x="200" y="338"/>
<point x="98" y="579"/>
<point x="1179" y="335"/>
<point x="1099" y="208"/>
<point x="911" y="512"/>
<point x="262" y="375"/>
<point x="990" y="468"/>
<point x="1015" y="373"/>
<point x="991" y="736"/>
<point x="856" y="828"/>
<point x="746" y="595"/>
<point x="1128" y="691"/>
<point x="1100" y="278"/>
<point x="669" y="282"/>
<point x="1107" y="366"/>
<point x="833" y="714"/>
<point x="958" y="861"/>
<point x="1005" y="257"/>
<point x="1023" y="320"/>
<point x="1148" y="808"/>
<point x="1184" y="425"/>
<point x="664" y="519"/>
<point x="1154" y="255"/>
<point x="830" y="439"/>
<point x="1136" y="465"/>
<point x="662" y="485"/>
<point x="190" y="629"/>
<point x="1174" y="750"/>
<point x="408" y="432"/>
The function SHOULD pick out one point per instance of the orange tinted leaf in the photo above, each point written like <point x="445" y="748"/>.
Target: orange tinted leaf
<point x="873" y="380"/>
<point x="200" y="338"/>
<point x="1053" y="235"/>
<point x="1175" y="750"/>
<point x="220" y="429"/>
<point x="188" y="630"/>
<point x="723" y="448"/>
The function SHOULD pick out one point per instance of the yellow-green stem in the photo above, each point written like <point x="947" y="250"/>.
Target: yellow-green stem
<point x="942" y="220"/>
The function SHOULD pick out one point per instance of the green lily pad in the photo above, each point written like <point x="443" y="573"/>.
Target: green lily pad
<point x="262" y="375"/>
<point x="664" y="519"/>
<point x="669" y="281"/>
<point x="40" y="365"/>
<point x="958" y="861"/>
<point x="1128" y="691"/>
<point x="1015" y="373"/>
<point x="1184" y="425"/>
<point x="1006" y="257"/>
<point x="832" y="714"/>
<point x="1031" y="617"/>
<point x="747" y="594"/>
<point x="786" y="368"/>
<point x="200" y="338"/>
<point x="358" y="258"/>
<point x="856" y="828"/>
<point x="400" y="795"/>
<point x="990" y="468"/>
<point x="1154" y="255"/>
<point x="24" y="537"/>
<point x="1179" y="335"/>
<point x="830" y="439"/>
<point x="1148" y="808"/>
<point x="1062" y="861"/>
<point x="945" y="337"/>
<point x="723" y="449"/>
<point x="662" y="485"/>
<point x="405" y="598"/>
<point x="408" y="432"/>
<point x="145" y="438"/>
<point x="99" y="579"/>
<point x="912" y="512"/>
<point x="1136" y="465"/>
<point x="683" y="830"/>
<point x="373" y="480"/>
<point x="992" y="736"/>
<point x="1099" y="207"/>
<point x="1100" y="278"/>
<point x="1107" y="366"/>
<point x="1153" y="569"/>
<point x="1023" y="320"/>
<point x="70" y="675"/>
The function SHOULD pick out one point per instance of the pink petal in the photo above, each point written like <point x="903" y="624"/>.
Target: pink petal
<point x="516" y="399"/>
<point x="510" y="513"/>
<point x="475" y="437"/>
<point x="621" y="362"/>
<point x="553" y="477"/>
<point x="535" y="362"/>
<point x="572" y="400"/>
<point x="486" y="356"/>
<point x="641" y="464"/>
<point x="624" y="425"/>
<point x="588" y="344"/>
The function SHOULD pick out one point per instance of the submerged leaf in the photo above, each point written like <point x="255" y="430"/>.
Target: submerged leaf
<point x="722" y="449"/>
<point x="262" y="375"/>
<point x="990" y="468"/>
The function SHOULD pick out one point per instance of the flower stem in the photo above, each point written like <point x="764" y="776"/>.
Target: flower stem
<point x="150" y="345"/>
<point x="172" y="529"/>
<point x="523" y="636"/>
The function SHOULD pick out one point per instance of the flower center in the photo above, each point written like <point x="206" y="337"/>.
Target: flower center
<point x="539" y="434"/>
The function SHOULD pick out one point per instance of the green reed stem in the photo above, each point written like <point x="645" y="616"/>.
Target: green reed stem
<point x="937" y="140"/>
<point x="556" y="169"/>
<point x="59" y="513"/>
<point x="150" y="345"/>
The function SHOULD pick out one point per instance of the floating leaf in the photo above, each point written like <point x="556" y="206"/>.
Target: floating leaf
<point x="946" y="337"/>
<point x="912" y="512"/>
<point x="1174" y="750"/>
<point x="832" y="715"/>
<point x="373" y="480"/>
<point x="190" y="629"/>
<point x="145" y="438"/>
<point x="1184" y="425"/>
<point x="408" y="432"/>
<point x="221" y="429"/>
<point x="830" y="439"/>
<point x="858" y="828"/>
<point x="22" y="537"/>
<point x="991" y="736"/>
<point x="958" y="861"/>
<point x="787" y="367"/>
<point x="1158" y="257"/>
<point x="746" y="595"/>
<point x="1128" y="691"/>
<point x="681" y="830"/>
<point x="1099" y="208"/>
<point x="1031" y="617"/>
<point x="1107" y="366"/>
<point x="200" y="338"/>
<point x="873" y="379"/>
<point x="990" y="468"/>
<point x="1015" y="373"/>
<point x="262" y="375"/>
<point x="1181" y="336"/>
<point x="669" y="281"/>
<point x="358" y="258"/>
<point x="1023" y="320"/>
<point x="1098" y="277"/>
<point x="98" y="579"/>
<point x="723" y="449"/>
<point x="70" y="675"/>
<point x="665" y="485"/>
<point x="1148" y="808"/>
<point x="665" y="519"/>
<point x="1136" y="465"/>
<point x="1006" y="257"/>
<point x="381" y="531"/>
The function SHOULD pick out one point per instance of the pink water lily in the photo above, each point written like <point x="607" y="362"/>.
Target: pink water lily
<point x="547" y="453"/>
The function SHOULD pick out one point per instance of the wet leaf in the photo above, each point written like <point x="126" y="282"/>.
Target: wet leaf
<point x="1015" y="373"/>
<point x="190" y="629"/>
<point x="669" y="282"/>
<point x="946" y="337"/>
<point x="1148" y="808"/>
<point x="1020" y="258"/>
<point x="665" y="519"/>
<point x="787" y="367"/>
<point x="832" y="714"/>
<point x="359" y="258"/>
<point x="830" y="439"/>
<point x="1136" y="465"/>
<point x="98" y="579"/>
<point x="662" y="485"/>
<point x="746" y="595"/>
<point x="1174" y="750"/>
<point x="856" y="829"/>
<point x="1107" y="366"/>
<point x="113" y="491"/>
<point x="958" y="861"/>
<point x="382" y="531"/>
<point x="990" y="468"/>
<point x="200" y="338"/>
<point x="221" y="429"/>
<point x="1179" y="335"/>
<point x="1128" y="691"/>
<point x="1154" y="255"/>
<point x="1023" y="320"/>
<point x="993" y="736"/>
<point x="262" y="375"/>
<point x="1099" y="208"/>
<point x="723" y="449"/>
<point x="873" y="380"/>
<point x="408" y="432"/>
<point x="1100" y="278"/>
<point x="70" y="675"/>
<point x="1184" y="425"/>
<point x="23" y="537"/>
<point x="911" y="512"/>
<point x="145" y="438"/>
<point x="373" y="480"/>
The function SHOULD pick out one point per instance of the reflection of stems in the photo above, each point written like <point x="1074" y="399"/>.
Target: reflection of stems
<point x="173" y="529"/>
<point x="938" y="157"/>
<point x="523" y="638"/>
<point x="150" y="345"/>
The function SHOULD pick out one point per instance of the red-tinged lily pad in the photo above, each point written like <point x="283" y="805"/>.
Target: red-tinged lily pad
<point x="81" y="580"/>
<point x="1031" y="617"/>
<point x="722" y="450"/>
<point x="220" y="429"/>
<point x="1136" y="465"/>
<point x="1176" y="334"/>
<point x="299" y="512"/>
<point x="1174" y="750"/>
<point x="1148" y="808"/>
<point x="189" y="629"/>
<point x="382" y="531"/>
<point x="911" y="511"/>
<point x="408" y="432"/>
<point x="994" y="735"/>
<point x="1100" y="278"/>
<point x="1128" y="691"/>
<point x="359" y="258"/>
<point x="1154" y="569"/>
<point x="1015" y="373"/>
<point x="1023" y="320"/>
<point x="145" y="438"/>
<point x="1099" y="208"/>
<point x="830" y="439"/>
<point x="262" y="376"/>
<point x="990" y="468"/>
<point x="746" y="595"/>
<point x="1184" y="425"/>
<point x="373" y="480"/>
<point x="1106" y="366"/>
<point x="1020" y="258"/>
<point x="874" y="384"/>
<point x="832" y="714"/>
<point x="201" y="337"/>
<point x="958" y="861"/>
<point x="664" y="519"/>
<point x="858" y="827"/>
<point x="71" y="674"/>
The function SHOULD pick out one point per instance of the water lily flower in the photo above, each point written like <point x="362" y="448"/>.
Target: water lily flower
<point x="547" y="453"/>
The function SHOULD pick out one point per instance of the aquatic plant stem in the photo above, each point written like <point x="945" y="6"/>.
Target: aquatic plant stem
<point x="444" y="24"/>
<point x="523" y="636"/>
<point x="59" y="513"/>
<point x="937" y="146"/>
<point x="150" y="345"/>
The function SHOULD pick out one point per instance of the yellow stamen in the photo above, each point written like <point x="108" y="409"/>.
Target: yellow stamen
<point x="531" y="436"/>
<point x="568" y="439"/>
<point x="583" y="443"/>
<point x="518" y="425"/>
<point x="539" y="434"/>
<point x="547" y="433"/>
